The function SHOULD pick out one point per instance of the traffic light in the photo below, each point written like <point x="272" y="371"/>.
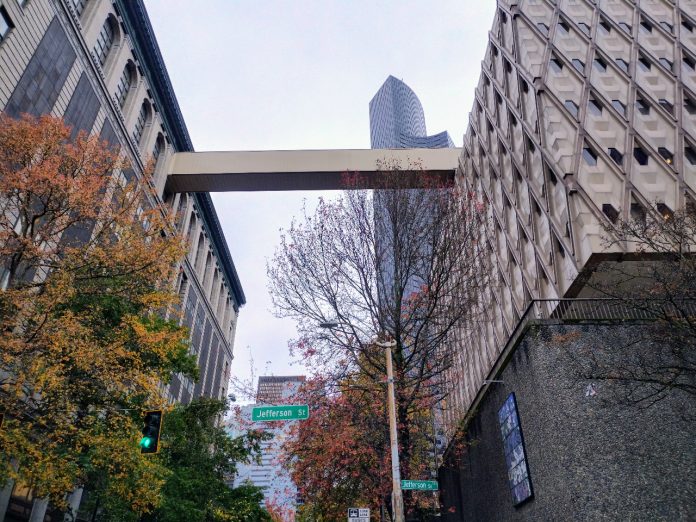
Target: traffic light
<point x="151" y="432"/>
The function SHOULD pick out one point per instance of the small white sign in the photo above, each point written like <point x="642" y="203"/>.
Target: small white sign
<point x="358" y="515"/>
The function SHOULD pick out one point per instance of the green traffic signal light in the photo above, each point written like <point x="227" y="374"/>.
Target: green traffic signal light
<point x="149" y="443"/>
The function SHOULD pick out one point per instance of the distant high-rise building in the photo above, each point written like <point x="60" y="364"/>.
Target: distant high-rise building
<point x="397" y="120"/>
<point x="269" y="473"/>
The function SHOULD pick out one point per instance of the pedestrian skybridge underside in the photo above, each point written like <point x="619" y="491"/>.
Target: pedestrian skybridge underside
<point x="284" y="170"/>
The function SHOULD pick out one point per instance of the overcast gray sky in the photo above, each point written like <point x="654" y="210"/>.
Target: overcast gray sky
<point x="282" y="74"/>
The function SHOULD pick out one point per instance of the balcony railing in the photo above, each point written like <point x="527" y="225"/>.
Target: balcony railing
<point x="608" y="309"/>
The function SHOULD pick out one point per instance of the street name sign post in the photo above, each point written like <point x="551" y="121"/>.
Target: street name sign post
<point x="280" y="413"/>
<point x="420" y="485"/>
<point x="358" y="515"/>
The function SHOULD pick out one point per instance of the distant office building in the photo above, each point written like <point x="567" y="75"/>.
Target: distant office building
<point x="397" y="120"/>
<point x="97" y="64"/>
<point x="269" y="474"/>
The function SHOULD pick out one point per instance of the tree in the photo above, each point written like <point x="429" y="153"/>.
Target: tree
<point x="397" y="261"/>
<point x="656" y="284"/>
<point x="88" y="261"/>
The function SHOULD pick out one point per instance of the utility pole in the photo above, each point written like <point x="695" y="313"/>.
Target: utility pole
<point x="397" y="497"/>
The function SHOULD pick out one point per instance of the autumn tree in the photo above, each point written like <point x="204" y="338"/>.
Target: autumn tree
<point x="655" y="285"/>
<point x="87" y="259"/>
<point x="396" y="261"/>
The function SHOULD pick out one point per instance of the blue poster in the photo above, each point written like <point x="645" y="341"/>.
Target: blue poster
<point x="513" y="446"/>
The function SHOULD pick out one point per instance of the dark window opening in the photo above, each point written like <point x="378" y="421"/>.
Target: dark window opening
<point x="644" y="63"/>
<point x="637" y="212"/>
<point x="646" y="26"/>
<point x="556" y="64"/>
<point x="665" y="211"/>
<point x="530" y="145"/>
<point x="616" y="156"/>
<point x="589" y="156"/>
<point x="689" y="62"/>
<point x="666" y="105"/>
<point x="641" y="156"/>
<point x="584" y="28"/>
<point x="600" y="64"/>
<point x="690" y="106"/>
<point x="619" y="107"/>
<point x="495" y="50"/>
<point x="563" y="26"/>
<point x="666" y="155"/>
<point x="690" y="154"/>
<point x="572" y="107"/>
<point x="626" y="27"/>
<point x="687" y="25"/>
<point x="552" y="177"/>
<point x="525" y="86"/>
<point x="623" y="64"/>
<point x="5" y="23"/>
<point x="666" y="63"/>
<point x="543" y="28"/>
<point x="595" y="107"/>
<point x="667" y="26"/>
<point x="611" y="213"/>
<point x="642" y="106"/>
<point x="605" y="25"/>
<point x="579" y="65"/>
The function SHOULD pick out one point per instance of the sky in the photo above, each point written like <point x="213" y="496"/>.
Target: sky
<point x="299" y="74"/>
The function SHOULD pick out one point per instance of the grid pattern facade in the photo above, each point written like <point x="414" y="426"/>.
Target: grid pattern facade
<point x="585" y="113"/>
<point x="56" y="58"/>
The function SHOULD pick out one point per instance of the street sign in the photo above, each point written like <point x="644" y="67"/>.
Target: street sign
<point x="358" y="515"/>
<point x="279" y="413"/>
<point x="420" y="485"/>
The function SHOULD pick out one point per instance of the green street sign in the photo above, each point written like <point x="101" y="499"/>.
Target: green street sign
<point x="279" y="413"/>
<point x="420" y="485"/>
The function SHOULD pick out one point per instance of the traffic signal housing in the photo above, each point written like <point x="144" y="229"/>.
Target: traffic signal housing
<point x="152" y="428"/>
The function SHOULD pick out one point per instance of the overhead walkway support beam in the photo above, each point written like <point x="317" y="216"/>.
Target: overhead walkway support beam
<point x="286" y="170"/>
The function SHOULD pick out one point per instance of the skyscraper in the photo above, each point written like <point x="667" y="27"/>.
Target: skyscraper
<point x="397" y="120"/>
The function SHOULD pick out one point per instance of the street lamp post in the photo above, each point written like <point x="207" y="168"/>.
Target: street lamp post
<point x="397" y="496"/>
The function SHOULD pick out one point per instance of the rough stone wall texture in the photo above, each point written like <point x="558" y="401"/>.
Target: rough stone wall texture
<point x="590" y="457"/>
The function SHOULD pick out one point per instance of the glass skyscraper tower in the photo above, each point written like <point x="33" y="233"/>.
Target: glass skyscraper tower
<point x="397" y="120"/>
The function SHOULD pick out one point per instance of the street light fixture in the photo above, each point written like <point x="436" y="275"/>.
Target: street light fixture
<point x="397" y="495"/>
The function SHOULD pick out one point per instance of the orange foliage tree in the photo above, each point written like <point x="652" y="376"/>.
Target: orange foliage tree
<point x="86" y="263"/>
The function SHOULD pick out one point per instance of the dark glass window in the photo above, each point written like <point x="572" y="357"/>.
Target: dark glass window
<point x="641" y="156"/>
<point x="687" y="25"/>
<point x="594" y="107"/>
<point x="623" y="64"/>
<point x="556" y="64"/>
<point x="503" y="16"/>
<point x="543" y="28"/>
<point x="495" y="50"/>
<point x="530" y="145"/>
<point x="600" y="64"/>
<point x="689" y="62"/>
<point x="610" y="212"/>
<point x="666" y="63"/>
<point x="643" y="62"/>
<point x="579" y="65"/>
<point x="140" y="123"/>
<point x="619" y="107"/>
<point x="667" y="26"/>
<point x="646" y="26"/>
<point x="563" y="26"/>
<point x="104" y="42"/>
<point x="666" y="155"/>
<point x="616" y="156"/>
<point x="667" y="105"/>
<point x="508" y="67"/>
<point x="604" y="25"/>
<point x="690" y="154"/>
<point x="572" y="107"/>
<point x="525" y="86"/>
<point x="589" y="156"/>
<point x="5" y="23"/>
<point x="124" y="85"/>
<point x="626" y="27"/>
<point x="584" y="28"/>
<point x="642" y="106"/>
<point x="690" y="106"/>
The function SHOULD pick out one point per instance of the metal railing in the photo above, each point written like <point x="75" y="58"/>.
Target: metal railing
<point x="610" y="309"/>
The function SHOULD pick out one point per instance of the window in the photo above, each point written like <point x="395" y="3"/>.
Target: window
<point x="589" y="156"/>
<point x="508" y="67"/>
<point x="494" y="49"/>
<point x="646" y="26"/>
<point x="594" y="107"/>
<point x="667" y="105"/>
<point x="579" y="65"/>
<point x="530" y="145"/>
<point x="623" y="64"/>
<point x="626" y="27"/>
<point x="666" y="63"/>
<point x="600" y="64"/>
<point x="124" y="85"/>
<point x="158" y="149"/>
<point x="572" y="107"/>
<point x="604" y="25"/>
<point x="5" y="23"/>
<point x="642" y="106"/>
<point x="619" y="107"/>
<point x="140" y="123"/>
<point x="611" y="213"/>
<point x="641" y="156"/>
<point x="643" y="62"/>
<point x="79" y="6"/>
<point x="666" y="155"/>
<point x="543" y="28"/>
<point x="556" y="64"/>
<point x="584" y="28"/>
<point x="563" y="26"/>
<point x="687" y="25"/>
<point x="616" y="156"/>
<point x="667" y="26"/>
<point x="689" y="62"/>
<point x="525" y="86"/>
<point x="689" y="106"/>
<point x="690" y="154"/>
<point x="104" y="42"/>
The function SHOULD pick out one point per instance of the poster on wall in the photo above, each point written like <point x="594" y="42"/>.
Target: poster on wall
<point x="515" y="457"/>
